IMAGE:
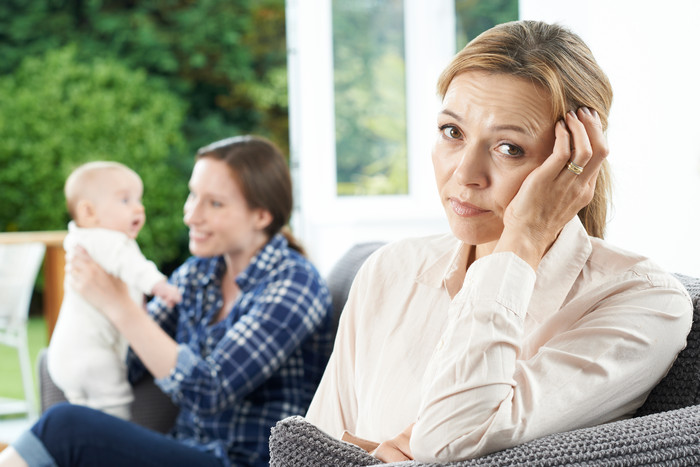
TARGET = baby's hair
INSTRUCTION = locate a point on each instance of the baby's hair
(78, 184)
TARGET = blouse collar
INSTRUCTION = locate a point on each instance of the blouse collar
(556, 273)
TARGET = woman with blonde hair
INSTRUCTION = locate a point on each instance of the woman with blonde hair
(522, 321)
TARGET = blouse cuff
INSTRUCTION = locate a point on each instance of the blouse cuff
(503, 277)
(186, 361)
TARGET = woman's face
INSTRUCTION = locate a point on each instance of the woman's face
(493, 130)
(218, 215)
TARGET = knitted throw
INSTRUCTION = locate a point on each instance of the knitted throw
(668, 438)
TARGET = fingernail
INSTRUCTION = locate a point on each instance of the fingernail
(572, 114)
(586, 110)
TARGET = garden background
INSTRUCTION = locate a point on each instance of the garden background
(146, 84)
(143, 83)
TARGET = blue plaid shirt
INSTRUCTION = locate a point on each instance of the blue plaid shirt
(236, 378)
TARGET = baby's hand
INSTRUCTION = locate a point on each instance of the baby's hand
(167, 292)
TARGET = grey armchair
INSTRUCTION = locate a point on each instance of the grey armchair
(665, 430)
(151, 407)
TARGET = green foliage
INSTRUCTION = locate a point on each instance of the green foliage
(57, 112)
(476, 16)
(370, 98)
(226, 59)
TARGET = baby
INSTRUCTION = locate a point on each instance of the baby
(86, 356)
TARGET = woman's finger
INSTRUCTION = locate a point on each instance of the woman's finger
(594, 128)
(590, 145)
(561, 152)
(582, 151)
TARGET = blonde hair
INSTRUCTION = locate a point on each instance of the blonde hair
(81, 183)
(560, 62)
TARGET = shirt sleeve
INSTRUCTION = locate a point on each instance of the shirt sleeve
(479, 396)
(133, 268)
(287, 311)
(333, 408)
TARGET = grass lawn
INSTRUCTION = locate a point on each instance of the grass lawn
(11, 377)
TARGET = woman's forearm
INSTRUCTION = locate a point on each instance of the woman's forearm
(156, 349)
(469, 381)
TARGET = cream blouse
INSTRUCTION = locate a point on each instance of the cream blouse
(500, 355)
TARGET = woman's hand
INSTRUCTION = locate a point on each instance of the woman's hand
(105, 292)
(552, 194)
(396, 449)
(156, 349)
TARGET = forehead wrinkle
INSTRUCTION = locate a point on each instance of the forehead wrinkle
(503, 102)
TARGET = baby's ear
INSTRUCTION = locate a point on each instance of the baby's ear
(85, 215)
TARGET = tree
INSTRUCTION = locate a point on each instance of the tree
(226, 59)
(370, 101)
(57, 112)
(476, 16)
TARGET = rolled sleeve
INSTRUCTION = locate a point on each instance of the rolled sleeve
(273, 321)
(185, 364)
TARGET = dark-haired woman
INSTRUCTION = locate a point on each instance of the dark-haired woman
(246, 346)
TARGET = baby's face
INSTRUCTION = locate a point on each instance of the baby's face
(118, 206)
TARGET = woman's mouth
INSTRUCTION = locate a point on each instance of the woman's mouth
(197, 236)
(465, 209)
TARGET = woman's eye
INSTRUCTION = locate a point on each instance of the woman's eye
(215, 204)
(450, 131)
(509, 150)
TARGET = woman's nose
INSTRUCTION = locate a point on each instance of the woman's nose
(191, 212)
(472, 168)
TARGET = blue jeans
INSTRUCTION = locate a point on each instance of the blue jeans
(72, 435)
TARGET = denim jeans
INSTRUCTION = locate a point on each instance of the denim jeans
(73, 435)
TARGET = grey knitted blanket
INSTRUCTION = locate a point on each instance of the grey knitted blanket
(668, 438)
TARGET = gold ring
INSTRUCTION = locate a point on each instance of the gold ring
(574, 168)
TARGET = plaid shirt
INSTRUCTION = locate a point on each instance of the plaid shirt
(236, 378)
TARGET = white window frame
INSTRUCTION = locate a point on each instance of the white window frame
(329, 224)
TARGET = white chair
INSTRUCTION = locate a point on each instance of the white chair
(19, 266)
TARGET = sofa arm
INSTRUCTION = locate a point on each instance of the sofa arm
(151, 407)
(294, 442)
(49, 393)
(669, 437)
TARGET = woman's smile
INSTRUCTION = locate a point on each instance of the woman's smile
(198, 236)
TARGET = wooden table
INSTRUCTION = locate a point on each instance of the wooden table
(54, 268)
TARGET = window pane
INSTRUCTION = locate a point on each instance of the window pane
(370, 97)
(476, 16)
